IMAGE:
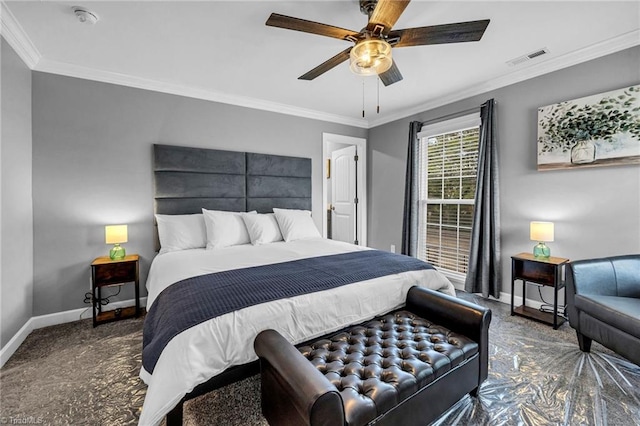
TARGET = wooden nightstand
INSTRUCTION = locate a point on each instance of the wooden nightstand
(549, 272)
(106, 273)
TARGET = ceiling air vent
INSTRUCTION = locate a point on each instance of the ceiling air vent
(528, 57)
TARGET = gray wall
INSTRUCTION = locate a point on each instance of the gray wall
(92, 167)
(16, 227)
(596, 211)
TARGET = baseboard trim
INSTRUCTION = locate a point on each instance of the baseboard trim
(504, 297)
(15, 342)
(42, 321)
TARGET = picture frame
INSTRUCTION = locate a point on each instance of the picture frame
(593, 131)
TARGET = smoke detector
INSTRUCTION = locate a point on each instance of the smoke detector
(84, 15)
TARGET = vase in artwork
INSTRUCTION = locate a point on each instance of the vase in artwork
(583, 152)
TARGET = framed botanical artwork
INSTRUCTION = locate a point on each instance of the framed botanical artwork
(597, 130)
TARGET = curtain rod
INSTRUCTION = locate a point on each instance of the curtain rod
(452, 115)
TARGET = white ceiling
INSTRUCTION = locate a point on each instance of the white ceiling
(222, 50)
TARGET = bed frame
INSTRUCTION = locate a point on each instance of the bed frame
(186, 180)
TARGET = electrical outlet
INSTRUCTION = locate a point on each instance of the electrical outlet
(393, 248)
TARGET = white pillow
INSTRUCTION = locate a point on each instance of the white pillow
(181, 232)
(225, 229)
(262, 228)
(296, 224)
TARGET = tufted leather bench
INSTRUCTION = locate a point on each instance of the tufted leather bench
(406, 367)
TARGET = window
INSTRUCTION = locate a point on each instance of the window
(448, 166)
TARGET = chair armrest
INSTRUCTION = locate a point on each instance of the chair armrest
(457, 315)
(306, 389)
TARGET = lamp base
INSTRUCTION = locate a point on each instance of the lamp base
(541, 250)
(117, 252)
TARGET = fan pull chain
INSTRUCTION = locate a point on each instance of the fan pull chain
(362, 98)
(378, 107)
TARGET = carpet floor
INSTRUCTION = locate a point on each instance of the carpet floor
(75, 374)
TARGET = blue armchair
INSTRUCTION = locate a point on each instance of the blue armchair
(603, 303)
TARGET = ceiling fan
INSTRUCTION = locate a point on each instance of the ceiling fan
(371, 53)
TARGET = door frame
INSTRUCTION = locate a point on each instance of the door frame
(361, 217)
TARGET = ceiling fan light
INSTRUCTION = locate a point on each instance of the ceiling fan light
(370, 57)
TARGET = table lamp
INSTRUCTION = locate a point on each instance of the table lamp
(541, 232)
(116, 234)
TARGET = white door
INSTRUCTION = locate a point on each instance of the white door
(344, 197)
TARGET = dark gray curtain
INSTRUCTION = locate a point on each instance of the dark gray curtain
(410, 216)
(483, 275)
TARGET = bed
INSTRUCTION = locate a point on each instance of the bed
(220, 350)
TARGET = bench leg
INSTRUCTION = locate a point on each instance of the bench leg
(174, 418)
(584, 342)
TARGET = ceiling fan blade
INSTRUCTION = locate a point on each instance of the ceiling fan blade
(386, 14)
(327, 65)
(297, 24)
(390, 76)
(439, 34)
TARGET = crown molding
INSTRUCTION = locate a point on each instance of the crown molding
(70, 70)
(616, 44)
(17, 38)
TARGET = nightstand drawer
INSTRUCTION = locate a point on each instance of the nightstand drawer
(537, 272)
(115, 273)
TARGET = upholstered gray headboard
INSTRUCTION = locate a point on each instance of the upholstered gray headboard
(189, 179)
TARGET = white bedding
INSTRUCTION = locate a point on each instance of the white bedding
(203, 351)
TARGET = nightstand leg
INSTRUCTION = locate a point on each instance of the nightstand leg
(93, 297)
(555, 300)
(137, 300)
(93, 304)
(513, 285)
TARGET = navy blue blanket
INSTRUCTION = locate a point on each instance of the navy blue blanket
(195, 300)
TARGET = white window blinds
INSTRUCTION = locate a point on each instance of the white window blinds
(448, 168)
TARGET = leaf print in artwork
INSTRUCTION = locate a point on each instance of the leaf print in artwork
(598, 130)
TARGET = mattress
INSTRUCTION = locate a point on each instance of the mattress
(208, 349)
